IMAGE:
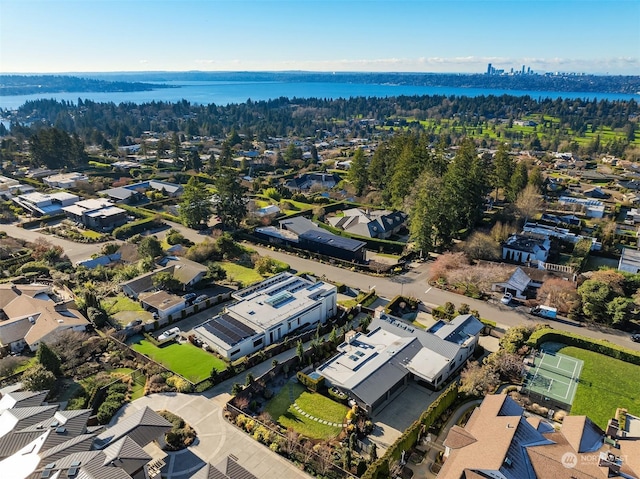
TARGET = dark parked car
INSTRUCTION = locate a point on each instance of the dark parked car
(189, 297)
(635, 338)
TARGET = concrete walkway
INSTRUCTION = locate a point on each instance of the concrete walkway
(423, 470)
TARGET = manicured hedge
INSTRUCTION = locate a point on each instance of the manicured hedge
(596, 345)
(380, 468)
(42, 219)
(309, 382)
(135, 227)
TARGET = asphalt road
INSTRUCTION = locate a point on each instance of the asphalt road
(412, 283)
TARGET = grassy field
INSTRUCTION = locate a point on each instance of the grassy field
(605, 384)
(242, 274)
(120, 303)
(281, 409)
(91, 234)
(186, 359)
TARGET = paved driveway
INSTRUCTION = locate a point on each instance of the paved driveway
(216, 439)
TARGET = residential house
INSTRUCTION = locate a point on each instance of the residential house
(65, 180)
(10, 188)
(370, 223)
(592, 208)
(188, 272)
(300, 232)
(40, 441)
(41, 204)
(517, 284)
(526, 248)
(308, 181)
(499, 441)
(162, 303)
(267, 312)
(596, 193)
(228, 468)
(142, 283)
(135, 192)
(629, 260)
(32, 316)
(371, 368)
(96, 214)
(633, 216)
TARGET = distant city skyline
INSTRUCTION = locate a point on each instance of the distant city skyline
(452, 36)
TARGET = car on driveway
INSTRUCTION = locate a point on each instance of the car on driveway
(200, 299)
(635, 338)
(189, 297)
(506, 298)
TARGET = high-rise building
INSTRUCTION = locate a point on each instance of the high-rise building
(489, 69)
(523, 69)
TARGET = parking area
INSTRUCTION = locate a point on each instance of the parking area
(400, 412)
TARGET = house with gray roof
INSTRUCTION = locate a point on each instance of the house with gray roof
(371, 368)
(40, 441)
(370, 223)
(526, 248)
(136, 192)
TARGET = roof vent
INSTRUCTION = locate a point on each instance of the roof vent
(507, 461)
(32, 320)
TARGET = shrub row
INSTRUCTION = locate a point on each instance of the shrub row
(380, 468)
(596, 345)
(116, 396)
(309, 382)
(43, 219)
(135, 227)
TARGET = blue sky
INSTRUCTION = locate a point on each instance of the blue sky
(599, 36)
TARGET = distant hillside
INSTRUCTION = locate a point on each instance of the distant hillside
(555, 83)
(30, 84)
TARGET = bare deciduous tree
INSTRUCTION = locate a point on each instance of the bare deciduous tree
(478, 380)
(558, 293)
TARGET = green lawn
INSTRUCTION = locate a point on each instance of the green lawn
(242, 274)
(281, 410)
(605, 384)
(91, 234)
(186, 359)
(120, 303)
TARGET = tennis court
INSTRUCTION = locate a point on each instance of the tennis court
(553, 377)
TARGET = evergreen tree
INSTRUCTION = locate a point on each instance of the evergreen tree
(49, 359)
(231, 205)
(195, 207)
(518, 181)
(358, 172)
(503, 167)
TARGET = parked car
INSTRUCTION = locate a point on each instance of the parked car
(189, 297)
(169, 334)
(200, 299)
(544, 312)
(635, 338)
(506, 299)
(134, 323)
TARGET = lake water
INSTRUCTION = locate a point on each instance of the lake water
(226, 92)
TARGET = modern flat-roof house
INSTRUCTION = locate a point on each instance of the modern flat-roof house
(372, 367)
(38, 440)
(31, 316)
(300, 232)
(267, 312)
(96, 214)
(10, 187)
(526, 248)
(499, 441)
(65, 180)
(41, 204)
(629, 260)
(135, 192)
(592, 208)
(369, 223)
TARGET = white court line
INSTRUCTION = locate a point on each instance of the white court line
(550, 384)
